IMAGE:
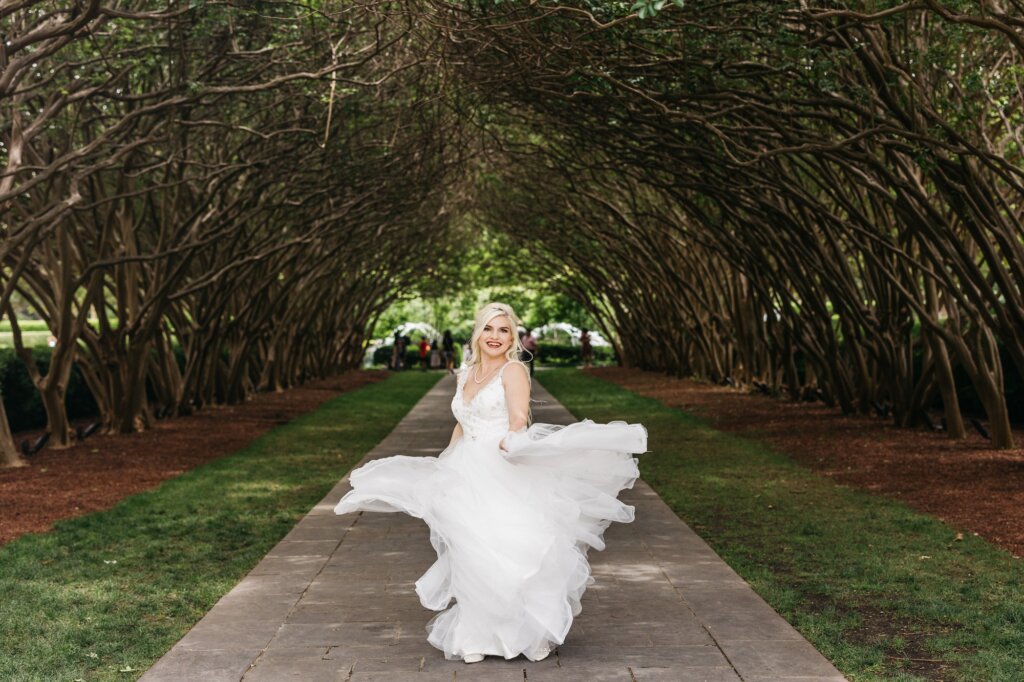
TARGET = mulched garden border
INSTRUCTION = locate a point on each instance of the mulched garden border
(965, 483)
(102, 470)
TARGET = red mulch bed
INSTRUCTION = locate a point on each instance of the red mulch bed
(98, 473)
(965, 483)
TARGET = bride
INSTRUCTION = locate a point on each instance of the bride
(512, 508)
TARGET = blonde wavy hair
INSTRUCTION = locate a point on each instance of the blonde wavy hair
(485, 315)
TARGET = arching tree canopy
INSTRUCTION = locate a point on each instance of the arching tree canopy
(207, 198)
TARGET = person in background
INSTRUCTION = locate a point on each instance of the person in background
(448, 351)
(398, 353)
(530, 347)
(424, 349)
(435, 354)
(586, 350)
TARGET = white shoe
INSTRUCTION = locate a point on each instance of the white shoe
(473, 658)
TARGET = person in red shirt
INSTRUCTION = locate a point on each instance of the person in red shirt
(424, 350)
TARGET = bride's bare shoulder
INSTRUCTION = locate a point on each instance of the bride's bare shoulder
(515, 370)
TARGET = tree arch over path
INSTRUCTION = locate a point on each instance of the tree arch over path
(202, 199)
(737, 187)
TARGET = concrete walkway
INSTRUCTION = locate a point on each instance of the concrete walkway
(334, 601)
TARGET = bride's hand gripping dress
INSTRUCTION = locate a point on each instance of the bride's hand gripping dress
(511, 526)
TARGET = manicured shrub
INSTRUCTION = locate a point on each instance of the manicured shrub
(548, 354)
(382, 356)
(21, 399)
(568, 354)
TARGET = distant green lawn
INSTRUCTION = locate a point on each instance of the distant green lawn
(103, 596)
(871, 583)
(33, 333)
(30, 339)
(25, 325)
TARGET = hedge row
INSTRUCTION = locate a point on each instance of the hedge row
(21, 399)
(549, 354)
(970, 403)
(25, 409)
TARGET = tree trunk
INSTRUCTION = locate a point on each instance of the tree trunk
(947, 387)
(9, 455)
(992, 390)
(57, 422)
(943, 367)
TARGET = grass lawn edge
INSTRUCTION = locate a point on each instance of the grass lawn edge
(103, 596)
(883, 591)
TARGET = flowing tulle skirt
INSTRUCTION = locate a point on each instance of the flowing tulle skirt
(511, 530)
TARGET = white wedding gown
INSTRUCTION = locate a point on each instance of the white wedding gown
(511, 529)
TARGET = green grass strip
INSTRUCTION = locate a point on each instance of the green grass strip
(847, 568)
(101, 597)
(33, 332)
(25, 326)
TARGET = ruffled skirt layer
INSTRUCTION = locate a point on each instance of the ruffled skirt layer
(511, 530)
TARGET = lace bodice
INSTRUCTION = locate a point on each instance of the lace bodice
(485, 416)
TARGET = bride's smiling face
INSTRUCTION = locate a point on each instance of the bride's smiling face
(496, 337)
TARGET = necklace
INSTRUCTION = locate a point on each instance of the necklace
(480, 381)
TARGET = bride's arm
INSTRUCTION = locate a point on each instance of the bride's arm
(456, 435)
(517, 397)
